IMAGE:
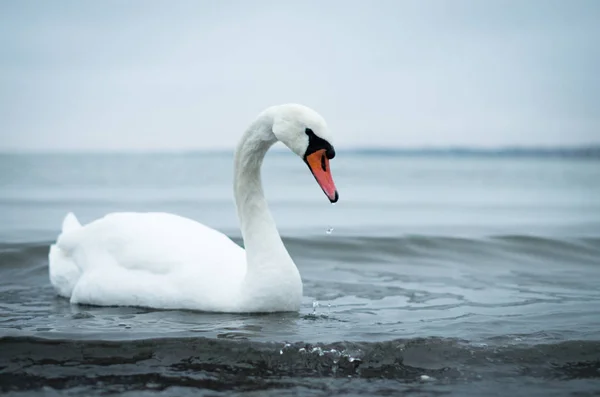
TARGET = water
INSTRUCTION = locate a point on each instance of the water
(446, 275)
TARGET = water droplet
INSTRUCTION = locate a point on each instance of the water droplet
(317, 350)
(328, 231)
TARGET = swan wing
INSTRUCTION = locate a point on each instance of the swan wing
(145, 259)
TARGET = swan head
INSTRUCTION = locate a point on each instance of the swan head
(305, 133)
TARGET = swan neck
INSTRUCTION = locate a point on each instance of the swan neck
(256, 222)
(271, 277)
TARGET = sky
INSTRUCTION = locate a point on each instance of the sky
(192, 74)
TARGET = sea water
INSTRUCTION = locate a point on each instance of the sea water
(453, 275)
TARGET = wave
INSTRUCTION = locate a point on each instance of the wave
(38, 357)
(583, 250)
(28, 363)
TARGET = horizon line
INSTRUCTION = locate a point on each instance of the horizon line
(353, 148)
(587, 149)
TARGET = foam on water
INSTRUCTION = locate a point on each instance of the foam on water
(36, 366)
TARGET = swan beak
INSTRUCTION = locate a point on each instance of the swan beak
(319, 166)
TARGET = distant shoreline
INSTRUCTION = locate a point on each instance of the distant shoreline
(591, 151)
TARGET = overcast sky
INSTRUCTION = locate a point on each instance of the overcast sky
(82, 74)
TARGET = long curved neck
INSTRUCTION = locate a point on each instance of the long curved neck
(252, 208)
(265, 253)
(272, 281)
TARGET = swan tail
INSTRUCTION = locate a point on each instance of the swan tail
(70, 233)
(63, 270)
(70, 223)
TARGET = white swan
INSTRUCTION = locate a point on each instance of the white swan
(166, 261)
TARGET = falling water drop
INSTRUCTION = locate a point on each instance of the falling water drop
(330, 228)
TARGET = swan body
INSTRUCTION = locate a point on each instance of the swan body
(148, 259)
(166, 261)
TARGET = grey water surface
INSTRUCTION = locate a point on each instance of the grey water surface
(443, 275)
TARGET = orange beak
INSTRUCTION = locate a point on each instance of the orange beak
(319, 166)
